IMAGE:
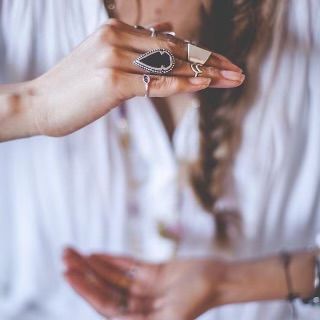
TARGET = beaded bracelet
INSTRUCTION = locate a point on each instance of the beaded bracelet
(314, 300)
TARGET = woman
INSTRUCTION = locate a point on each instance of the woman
(277, 160)
(101, 190)
(76, 190)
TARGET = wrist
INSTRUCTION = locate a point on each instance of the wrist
(265, 279)
(17, 111)
(302, 273)
(256, 280)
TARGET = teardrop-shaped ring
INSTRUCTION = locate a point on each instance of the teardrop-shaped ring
(157, 61)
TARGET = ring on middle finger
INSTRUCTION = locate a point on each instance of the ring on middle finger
(196, 69)
(157, 61)
(197, 54)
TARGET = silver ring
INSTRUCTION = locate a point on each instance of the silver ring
(157, 61)
(197, 54)
(170, 33)
(146, 81)
(153, 32)
(196, 69)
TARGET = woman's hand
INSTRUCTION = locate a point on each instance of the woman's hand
(123, 288)
(99, 75)
(127, 289)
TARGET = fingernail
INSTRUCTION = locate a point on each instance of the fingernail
(200, 81)
(232, 75)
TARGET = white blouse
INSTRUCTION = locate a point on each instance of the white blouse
(88, 191)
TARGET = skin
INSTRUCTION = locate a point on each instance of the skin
(182, 289)
(186, 23)
(90, 88)
(79, 89)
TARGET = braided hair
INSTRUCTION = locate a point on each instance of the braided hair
(240, 30)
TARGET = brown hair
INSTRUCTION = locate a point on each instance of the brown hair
(240, 30)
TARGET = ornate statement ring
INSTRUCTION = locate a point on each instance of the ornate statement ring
(196, 69)
(146, 81)
(197, 54)
(157, 61)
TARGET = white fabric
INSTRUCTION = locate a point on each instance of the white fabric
(75, 190)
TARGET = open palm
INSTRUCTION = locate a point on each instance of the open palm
(124, 288)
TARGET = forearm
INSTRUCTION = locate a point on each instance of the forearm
(265, 279)
(16, 111)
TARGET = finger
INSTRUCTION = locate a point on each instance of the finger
(121, 59)
(162, 27)
(105, 300)
(132, 316)
(122, 278)
(138, 316)
(131, 85)
(102, 300)
(125, 264)
(137, 29)
(159, 27)
(110, 273)
(74, 260)
(140, 41)
(136, 277)
(120, 261)
(101, 286)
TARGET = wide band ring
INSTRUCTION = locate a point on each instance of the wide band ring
(196, 69)
(157, 61)
(197, 54)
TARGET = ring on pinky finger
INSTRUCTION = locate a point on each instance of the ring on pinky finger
(146, 81)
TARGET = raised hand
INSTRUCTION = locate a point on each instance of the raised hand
(100, 74)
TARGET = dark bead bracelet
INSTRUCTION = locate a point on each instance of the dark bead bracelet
(314, 300)
(286, 260)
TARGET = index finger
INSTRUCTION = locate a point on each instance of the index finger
(125, 36)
